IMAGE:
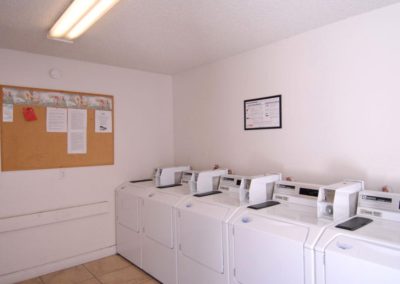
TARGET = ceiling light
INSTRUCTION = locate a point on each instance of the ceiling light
(79, 17)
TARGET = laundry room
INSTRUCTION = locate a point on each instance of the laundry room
(199, 142)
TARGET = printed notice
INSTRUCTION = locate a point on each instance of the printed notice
(8, 113)
(77, 127)
(76, 142)
(56, 119)
(103, 121)
(263, 113)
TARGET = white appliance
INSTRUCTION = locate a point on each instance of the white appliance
(202, 229)
(129, 201)
(369, 254)
(339, 201)
(169, 176)
(273, 243)
(159, 228)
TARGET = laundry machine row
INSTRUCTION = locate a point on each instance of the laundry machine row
(273, 242)
(258, 229)
(147, 215)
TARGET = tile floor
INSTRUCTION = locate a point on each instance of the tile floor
(109, 270)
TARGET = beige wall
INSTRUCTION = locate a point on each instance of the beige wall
(143, 140)
(340, 88)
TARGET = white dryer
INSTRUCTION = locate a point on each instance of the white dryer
(272, 242)
(202, 229)
(159, 228)
(129, 200)
(366, 248)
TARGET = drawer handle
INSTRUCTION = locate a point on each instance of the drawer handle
(189, 205)
(151, 194)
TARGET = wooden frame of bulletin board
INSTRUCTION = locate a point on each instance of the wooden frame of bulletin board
(27, 145)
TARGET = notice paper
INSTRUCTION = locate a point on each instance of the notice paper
(8, 113)
(77, 131)
(103, 121)
(56, 119)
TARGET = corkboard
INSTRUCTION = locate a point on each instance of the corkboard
(26, 145)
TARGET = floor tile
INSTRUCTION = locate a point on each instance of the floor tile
(76, 274)
(106, 265)
(32, 281)
(148, 281)
(91, 281)
(126, 275)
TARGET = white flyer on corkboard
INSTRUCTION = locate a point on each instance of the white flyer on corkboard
(8, 113)
(77, 128)
(103, 121)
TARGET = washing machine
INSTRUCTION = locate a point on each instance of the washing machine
(366, 248)
(159, 227)
(273, 242)
(202, 227)
(129, 201)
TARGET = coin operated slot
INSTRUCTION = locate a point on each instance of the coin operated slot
(325, 205)
(339, 201)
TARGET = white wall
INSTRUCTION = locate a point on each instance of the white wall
(341, 98)
(143, 140)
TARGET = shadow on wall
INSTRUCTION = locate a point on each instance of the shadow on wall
(374, 179)
(255, 165)
(336, 171)
(333, 171)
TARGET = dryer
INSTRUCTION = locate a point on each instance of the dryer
(366, 248)
(202, 230)
(159, 228)
(272, 242)
(129, 200)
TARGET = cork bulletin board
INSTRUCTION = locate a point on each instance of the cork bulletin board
(28, 144)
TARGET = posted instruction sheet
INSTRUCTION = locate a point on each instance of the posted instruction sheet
(77, 131)
(56, 119)
(263, 113)
(103, 121)
(8, 113)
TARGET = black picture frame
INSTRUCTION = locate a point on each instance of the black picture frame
(279, 125)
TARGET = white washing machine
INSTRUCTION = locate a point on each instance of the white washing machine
(159, 228)
(129, 200)
(273, 242)
(366, 248)
(202, 230)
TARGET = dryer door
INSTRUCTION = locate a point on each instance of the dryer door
(158, 218)
(201, 233)
(128, 206)
(349, 260)
(268, 251)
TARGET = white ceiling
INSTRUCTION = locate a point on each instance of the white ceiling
(170, 36)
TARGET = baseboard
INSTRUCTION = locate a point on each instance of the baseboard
(56, 265)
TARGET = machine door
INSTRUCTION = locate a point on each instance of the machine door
(158, 218)
(201, 233)
(128, 210)
(268, 251)
(355, 261)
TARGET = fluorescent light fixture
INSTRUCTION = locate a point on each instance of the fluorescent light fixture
(79, 17)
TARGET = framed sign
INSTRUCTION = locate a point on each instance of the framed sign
(263, 113)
